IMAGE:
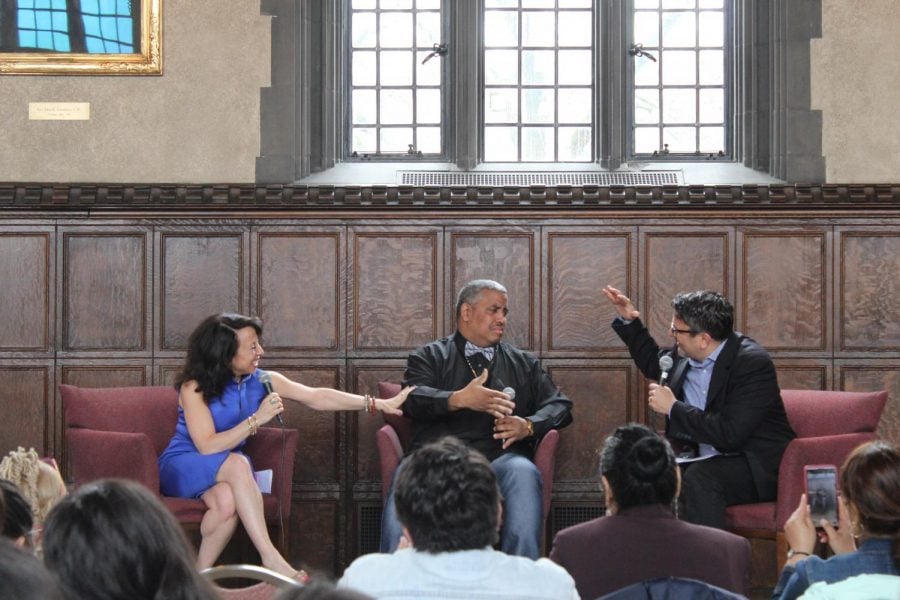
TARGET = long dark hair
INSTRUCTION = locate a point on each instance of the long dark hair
(211, 347)
(639, 466)
(870, 480)
(113, 539)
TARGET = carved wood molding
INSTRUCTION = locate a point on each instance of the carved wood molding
(223, 197)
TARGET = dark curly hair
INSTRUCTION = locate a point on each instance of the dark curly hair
(211, 347)
(639, 466)
(705, 311)
(447, 497)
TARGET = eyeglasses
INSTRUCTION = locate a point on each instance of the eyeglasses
(674, 331)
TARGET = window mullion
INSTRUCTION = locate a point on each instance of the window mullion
(465, 80)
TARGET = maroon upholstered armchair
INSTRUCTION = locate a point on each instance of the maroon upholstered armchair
(829, 425)
(393, 438)
(120, 432)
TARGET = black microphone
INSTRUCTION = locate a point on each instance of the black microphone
(266, 380)
(665, 363)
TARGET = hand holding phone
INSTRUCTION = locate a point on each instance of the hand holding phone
(822, 493)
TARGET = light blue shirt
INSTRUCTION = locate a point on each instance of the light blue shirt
(696, 388)
(485, 574)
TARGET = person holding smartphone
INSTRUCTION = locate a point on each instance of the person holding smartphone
(867, 539)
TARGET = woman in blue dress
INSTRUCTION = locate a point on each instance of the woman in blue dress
(222, 402)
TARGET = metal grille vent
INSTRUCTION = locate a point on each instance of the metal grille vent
(369, 533)
(568, 515)
(525, 178)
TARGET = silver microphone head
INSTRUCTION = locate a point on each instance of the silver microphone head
(512, 393)
(665, 362)
(266, 380)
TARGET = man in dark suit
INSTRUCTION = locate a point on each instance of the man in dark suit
(723, 406)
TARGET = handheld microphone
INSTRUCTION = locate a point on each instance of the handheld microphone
(511, 392)
(665, 363)
(266, 380)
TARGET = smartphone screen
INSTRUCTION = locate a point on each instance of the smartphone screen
(821, 493)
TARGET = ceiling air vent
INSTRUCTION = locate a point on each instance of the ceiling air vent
(525, 178)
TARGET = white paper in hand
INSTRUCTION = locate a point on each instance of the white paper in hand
(264, 480)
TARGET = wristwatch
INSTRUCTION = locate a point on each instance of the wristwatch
(530, 427)
(791, 553)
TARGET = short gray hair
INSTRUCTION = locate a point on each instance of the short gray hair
(472, 290)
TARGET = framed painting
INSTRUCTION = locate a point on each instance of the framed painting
(80, 37)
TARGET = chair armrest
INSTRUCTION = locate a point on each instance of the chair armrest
(390, 453)
(100, 454)
(264, 449)
(545, 460)
(824, 450)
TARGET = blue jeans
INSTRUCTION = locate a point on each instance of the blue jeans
(520, 487)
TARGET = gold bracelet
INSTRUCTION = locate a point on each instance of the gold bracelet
(530, 425)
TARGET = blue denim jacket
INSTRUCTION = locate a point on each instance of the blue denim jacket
(872, 556)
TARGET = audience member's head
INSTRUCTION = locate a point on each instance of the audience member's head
(23, 576)
(705, 311)
(113, 539)
(447, 498)
(637, 467)
(18, 522)
(322, 590)
(39, 481)
(870, 486)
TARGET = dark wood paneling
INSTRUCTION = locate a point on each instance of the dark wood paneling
(314, 542)
(105, 375)
(105, 295)
(25, 270)
(298, 290)
(795, 374)
(28, 407)
(396, 287)
(318, 459)
(681, 260)
(872, 376)
(350, 280)
(365, 376)
(870, 302)
(784, 290)
(201, 273)
(603, 400)
(507, 257)
(579, 265)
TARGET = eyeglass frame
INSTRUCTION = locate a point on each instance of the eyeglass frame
(674, 331)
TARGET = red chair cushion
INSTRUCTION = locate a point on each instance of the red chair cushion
(152, 410)
(751, 516)
(816, 413)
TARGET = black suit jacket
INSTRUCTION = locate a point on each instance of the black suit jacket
(439, 368)
(744, 411)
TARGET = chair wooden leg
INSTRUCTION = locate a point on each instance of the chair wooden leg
(781, 547)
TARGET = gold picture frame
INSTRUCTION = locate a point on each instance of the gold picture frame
(146, 62)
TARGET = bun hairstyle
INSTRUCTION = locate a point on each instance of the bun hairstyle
(639, 466)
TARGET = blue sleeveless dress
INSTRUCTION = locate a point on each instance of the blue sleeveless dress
(183, 471)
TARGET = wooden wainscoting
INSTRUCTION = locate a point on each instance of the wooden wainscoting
(102, 284)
